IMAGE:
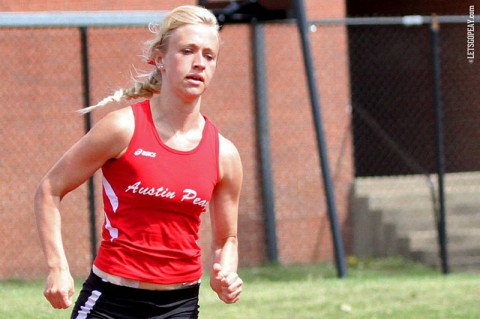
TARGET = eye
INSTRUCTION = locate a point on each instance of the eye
(209, 55)
(187, 51)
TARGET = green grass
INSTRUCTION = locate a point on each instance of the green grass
(388, 288)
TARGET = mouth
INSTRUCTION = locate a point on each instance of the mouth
(196, 77)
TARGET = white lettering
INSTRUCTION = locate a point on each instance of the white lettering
(163, 192)
(144, 153)
(143, 190)
(471, 34)
(200, 202)
(150, 191)
(191, 195)
(133, 187)
(149, 154)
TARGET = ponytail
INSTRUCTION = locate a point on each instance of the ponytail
(141, 89)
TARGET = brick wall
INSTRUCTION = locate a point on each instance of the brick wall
(42, 88)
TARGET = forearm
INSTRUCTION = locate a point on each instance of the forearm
(225, 253)
(48, 218)
(224, 278)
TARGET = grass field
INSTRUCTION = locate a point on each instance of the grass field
(388, 288)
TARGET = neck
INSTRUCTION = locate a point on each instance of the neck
(175, 114)
(179, 125)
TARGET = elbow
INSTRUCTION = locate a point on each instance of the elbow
(40, 191)
(45, 193)
(40, 196)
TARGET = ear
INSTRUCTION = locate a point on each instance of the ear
(156, 58)
(159, 62)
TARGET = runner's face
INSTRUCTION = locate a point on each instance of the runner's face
(190, 60)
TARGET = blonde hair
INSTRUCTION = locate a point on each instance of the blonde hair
(148, 84)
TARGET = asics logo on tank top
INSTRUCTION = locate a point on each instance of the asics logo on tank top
(141, 152)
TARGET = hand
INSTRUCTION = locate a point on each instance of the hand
(59, 289)
(228, 286)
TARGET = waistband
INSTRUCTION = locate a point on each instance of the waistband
(120, 281)
(110, 290)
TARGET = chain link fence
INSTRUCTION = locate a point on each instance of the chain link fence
(376, 88)
(414, 129)
(393, 100)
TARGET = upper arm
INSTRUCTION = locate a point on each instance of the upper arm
(226, 195)
(106, 140)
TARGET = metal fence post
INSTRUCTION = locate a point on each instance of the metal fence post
(322, 150)
(263, 138)
(440, 147)
(88, 126)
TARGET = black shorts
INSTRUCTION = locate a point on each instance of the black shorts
(103, 300)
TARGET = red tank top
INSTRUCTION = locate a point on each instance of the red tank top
(153, 197)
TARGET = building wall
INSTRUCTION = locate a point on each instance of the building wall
(407, 7)
(45, 64)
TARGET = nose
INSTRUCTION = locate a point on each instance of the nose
(199, 61)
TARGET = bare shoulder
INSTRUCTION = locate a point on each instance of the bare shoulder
(230, 161)
(115, 130)
(119, 120)
(227, 149)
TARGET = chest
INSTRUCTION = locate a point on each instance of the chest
(152, 176)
